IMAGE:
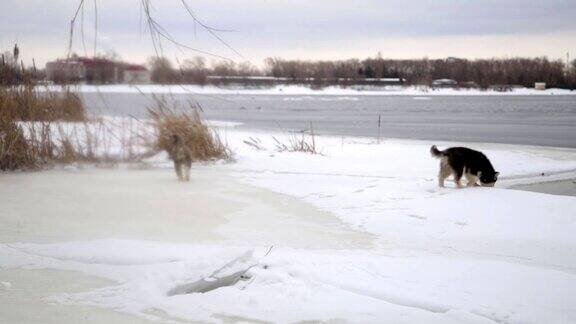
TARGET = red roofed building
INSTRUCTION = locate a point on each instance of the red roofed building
(95, 70)
(136, 74)
(100, 70)
(65, 71)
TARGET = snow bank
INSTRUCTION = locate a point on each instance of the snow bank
(390, 190)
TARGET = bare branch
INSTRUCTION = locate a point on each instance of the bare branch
(95, 27)
(158, 32)
(209, 29)
(72, 23)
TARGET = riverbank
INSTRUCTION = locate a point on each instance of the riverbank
(302, 90)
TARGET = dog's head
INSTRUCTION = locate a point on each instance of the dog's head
(488, 179)
(176, 140)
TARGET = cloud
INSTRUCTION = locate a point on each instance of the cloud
(273, 26)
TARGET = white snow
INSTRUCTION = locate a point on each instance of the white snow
(223, 124)
(301, 90)
(361, 233)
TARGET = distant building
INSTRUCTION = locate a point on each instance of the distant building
(101, 70)
(468, 85)
(268, 80)
(136, 74)
(444, 83)
(540, 85)
(501, 87)
(383, 81)
(452, 59)
(95, 70)
(65, 70)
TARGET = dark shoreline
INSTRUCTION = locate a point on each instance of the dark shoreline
(559, 187)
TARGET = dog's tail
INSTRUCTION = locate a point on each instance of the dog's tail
(436, 152)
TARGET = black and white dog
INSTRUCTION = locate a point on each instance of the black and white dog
(459, 161)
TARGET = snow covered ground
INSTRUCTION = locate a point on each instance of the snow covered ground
(360, 233)
(307, 91)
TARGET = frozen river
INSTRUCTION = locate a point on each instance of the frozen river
(532, 120)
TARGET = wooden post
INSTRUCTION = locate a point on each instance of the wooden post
(312, 134)
(379, 126)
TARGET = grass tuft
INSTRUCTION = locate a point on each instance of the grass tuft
(203, 141)
(15, 152)
(305, 143)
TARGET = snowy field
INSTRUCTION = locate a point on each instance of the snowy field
(360, 233)
(306, 91)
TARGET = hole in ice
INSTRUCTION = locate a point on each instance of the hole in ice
(208, 284)
(229, 275)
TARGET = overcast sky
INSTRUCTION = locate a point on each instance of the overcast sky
(311, 29)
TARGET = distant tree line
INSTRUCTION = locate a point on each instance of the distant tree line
(483, 73)
(196, 71)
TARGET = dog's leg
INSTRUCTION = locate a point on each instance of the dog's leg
(457, 177)
(472, 180)
(182, 171)
(443, 174)
(186, 172)
(178, 169)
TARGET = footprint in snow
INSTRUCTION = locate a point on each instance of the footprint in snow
(418, 217)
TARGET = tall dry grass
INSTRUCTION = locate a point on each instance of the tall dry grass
(203, 141)
(26, 139)
(39, 129)
(34, 129)
(15, 152)
(26, 103)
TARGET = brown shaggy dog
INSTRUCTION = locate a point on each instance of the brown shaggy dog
(182, 157)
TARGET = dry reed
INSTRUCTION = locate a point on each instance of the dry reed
(203, 141)
(43, 128)
(26, 103)
(304, 142)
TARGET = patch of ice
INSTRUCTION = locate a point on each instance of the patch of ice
(223, 124)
